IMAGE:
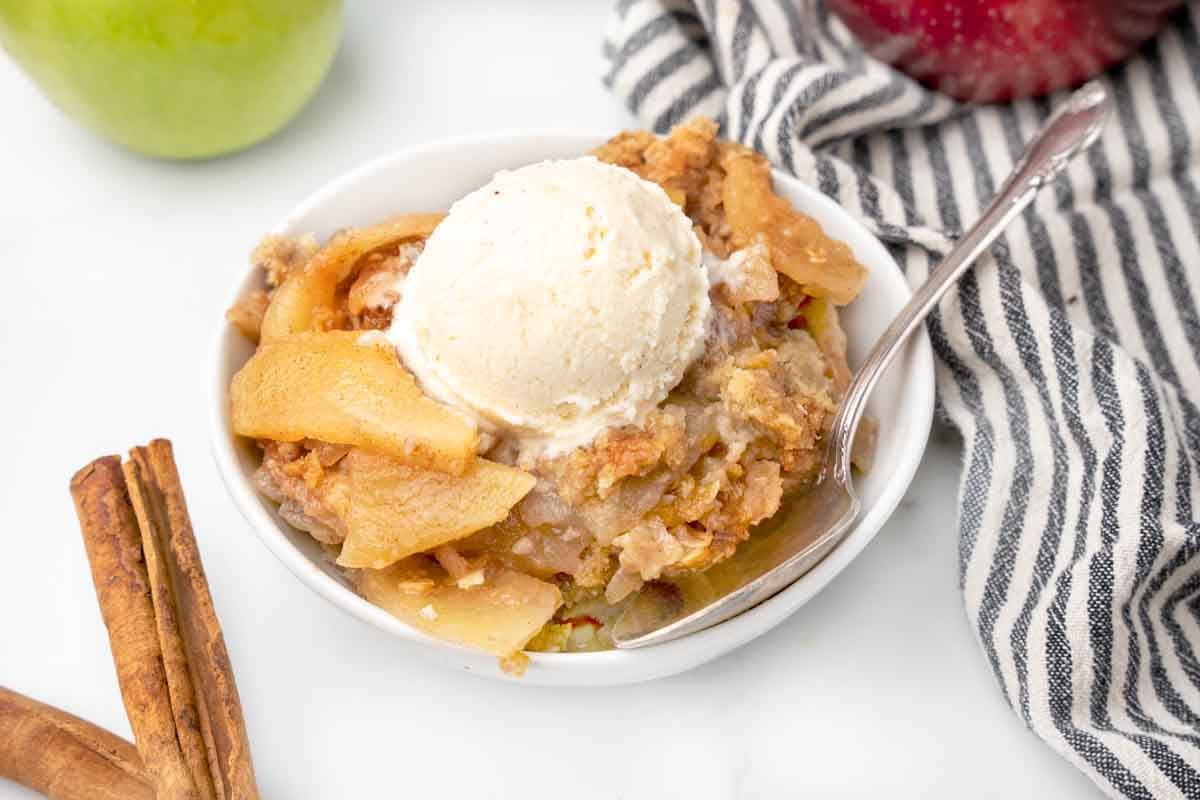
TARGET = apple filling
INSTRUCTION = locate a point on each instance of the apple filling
(471, 539)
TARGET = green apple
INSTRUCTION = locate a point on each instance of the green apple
(175, 78)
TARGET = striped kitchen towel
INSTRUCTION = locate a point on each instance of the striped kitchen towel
(1069, 360)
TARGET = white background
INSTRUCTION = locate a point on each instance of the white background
(113, 271)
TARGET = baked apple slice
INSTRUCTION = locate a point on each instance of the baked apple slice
(799, 247)
(396, 510)
(339, 387)
(499, 616)
(294, 304)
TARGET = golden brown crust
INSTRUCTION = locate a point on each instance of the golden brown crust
(247, 313)
(685, 164)
(281, 256)
(618, 453)
(313, 491)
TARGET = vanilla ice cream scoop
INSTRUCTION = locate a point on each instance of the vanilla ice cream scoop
(560, 299)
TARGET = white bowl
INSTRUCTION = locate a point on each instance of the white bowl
(430, 178)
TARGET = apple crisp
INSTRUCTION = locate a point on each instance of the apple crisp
(472, 537)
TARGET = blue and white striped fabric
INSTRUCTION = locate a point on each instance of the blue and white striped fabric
(1069, 360)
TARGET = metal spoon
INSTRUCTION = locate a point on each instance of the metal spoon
(774, 558)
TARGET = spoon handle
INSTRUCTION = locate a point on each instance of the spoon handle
(1072, 128)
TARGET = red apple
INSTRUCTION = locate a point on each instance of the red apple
(987, 50)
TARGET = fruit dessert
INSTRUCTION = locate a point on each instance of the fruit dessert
(590, 375)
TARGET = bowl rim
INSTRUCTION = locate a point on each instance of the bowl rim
(919, 392)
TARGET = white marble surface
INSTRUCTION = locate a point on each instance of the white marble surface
(113, 272)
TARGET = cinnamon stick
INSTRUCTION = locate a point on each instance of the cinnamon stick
(114, 548)
(178, 683)
(170, 543)
(64, 757)
(194, 746)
